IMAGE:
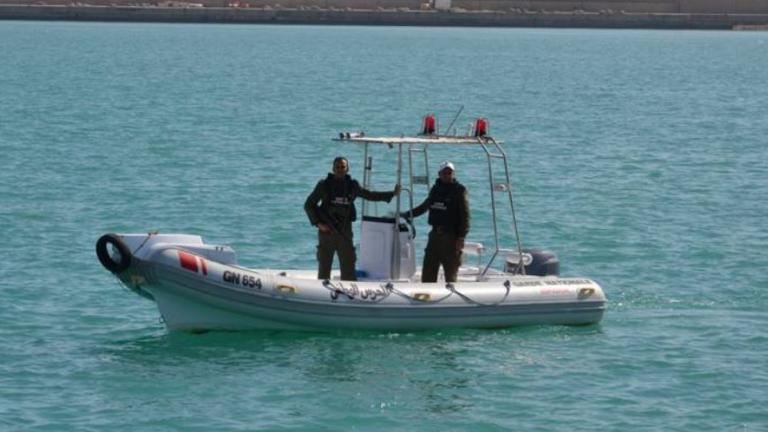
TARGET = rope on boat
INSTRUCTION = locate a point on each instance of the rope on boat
(450, 287)
(390, 287)
(419, 297)
(149, 235)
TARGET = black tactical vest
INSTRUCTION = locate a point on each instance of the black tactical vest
(444, 204)
(339, 201)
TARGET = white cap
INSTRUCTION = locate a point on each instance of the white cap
(445, 164)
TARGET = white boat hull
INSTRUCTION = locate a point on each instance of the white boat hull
(194, 291)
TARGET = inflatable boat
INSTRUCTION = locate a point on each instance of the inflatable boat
(199, 286)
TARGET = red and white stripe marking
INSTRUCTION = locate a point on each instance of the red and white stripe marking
(193, 262)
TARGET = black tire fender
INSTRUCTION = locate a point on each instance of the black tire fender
(106, 259)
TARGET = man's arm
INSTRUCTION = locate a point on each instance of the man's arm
(372, 195)
(310, 205)
(419, 209)
(416, 211)
(462, 229)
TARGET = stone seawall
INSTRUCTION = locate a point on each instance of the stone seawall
(606, 6)
(397, 17)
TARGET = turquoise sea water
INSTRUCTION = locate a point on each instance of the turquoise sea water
(639, 157)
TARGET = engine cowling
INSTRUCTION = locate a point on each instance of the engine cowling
(537, 262)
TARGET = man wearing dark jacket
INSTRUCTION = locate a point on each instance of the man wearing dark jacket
(449, 216)
(334, 216)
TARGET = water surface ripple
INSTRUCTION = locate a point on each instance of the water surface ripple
(639, 157)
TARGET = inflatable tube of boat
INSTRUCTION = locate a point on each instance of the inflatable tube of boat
(110, 262)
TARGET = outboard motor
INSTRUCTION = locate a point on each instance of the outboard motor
(537, 262)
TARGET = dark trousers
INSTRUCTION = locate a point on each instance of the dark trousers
(327, 245)
(441, 250)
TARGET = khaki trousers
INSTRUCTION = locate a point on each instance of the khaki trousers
(441, 250)
(329, 244)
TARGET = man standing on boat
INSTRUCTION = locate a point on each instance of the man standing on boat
(334, 216)
(448, 208)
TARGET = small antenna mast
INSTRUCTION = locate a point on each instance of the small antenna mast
(448, 129)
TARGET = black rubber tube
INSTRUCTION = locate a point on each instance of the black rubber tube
(106, 259)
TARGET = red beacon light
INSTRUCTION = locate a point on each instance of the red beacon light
(481, 127)
(430, 123)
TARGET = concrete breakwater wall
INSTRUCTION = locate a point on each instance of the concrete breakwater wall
(401, 16)
(542, 6)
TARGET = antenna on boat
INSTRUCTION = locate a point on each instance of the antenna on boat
(448, 129)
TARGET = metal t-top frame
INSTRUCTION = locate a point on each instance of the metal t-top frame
(415, 145)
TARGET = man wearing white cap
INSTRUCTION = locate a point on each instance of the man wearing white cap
(448, 208)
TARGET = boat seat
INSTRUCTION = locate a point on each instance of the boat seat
(473, 248)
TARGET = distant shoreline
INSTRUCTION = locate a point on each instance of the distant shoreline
(389, 17)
